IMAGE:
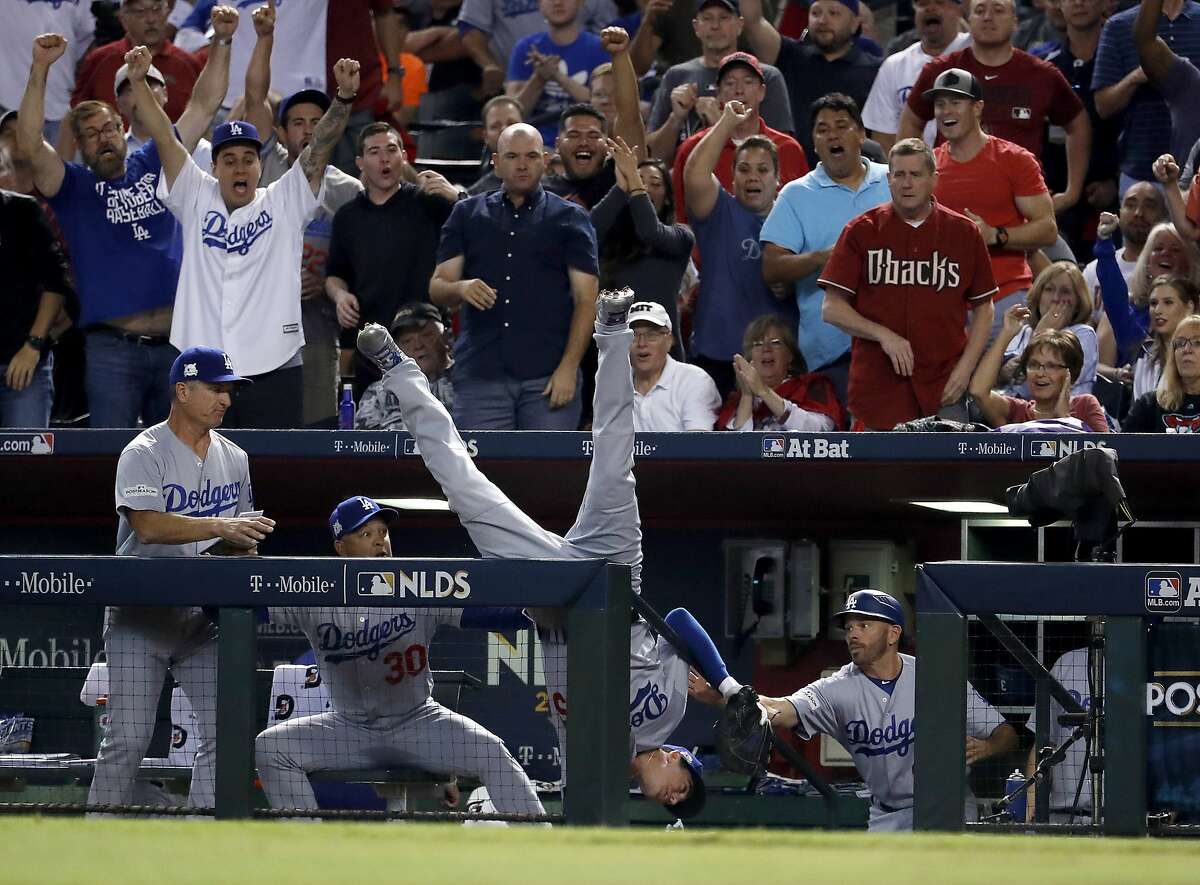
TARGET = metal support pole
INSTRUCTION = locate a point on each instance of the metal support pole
(1124, 726)
(235, 712)
(940, 769)
(597, 786)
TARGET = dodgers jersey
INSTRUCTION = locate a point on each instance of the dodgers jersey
(878, 730)
(239, 285)
(159, 472)
(657, 689)
(374, 661)
(1072, 671)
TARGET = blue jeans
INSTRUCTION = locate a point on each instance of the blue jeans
(126, 380)
(508, 403)
(29, 407)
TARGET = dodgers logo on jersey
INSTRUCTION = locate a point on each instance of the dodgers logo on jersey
(1164, 592)
(217, 234)
(648, 704)
(895, 737)
(212, 500)
(366, 642)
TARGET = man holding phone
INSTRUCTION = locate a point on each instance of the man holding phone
(179, 486)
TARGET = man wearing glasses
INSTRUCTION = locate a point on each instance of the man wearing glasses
(667, 395)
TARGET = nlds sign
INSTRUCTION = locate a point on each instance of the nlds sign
(421, 585)
(1061, 448)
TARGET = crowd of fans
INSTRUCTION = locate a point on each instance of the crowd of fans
(246, 177)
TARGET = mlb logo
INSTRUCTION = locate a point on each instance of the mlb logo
(376, 583)
(1164, 592)
(773, 447)
(1044, 448)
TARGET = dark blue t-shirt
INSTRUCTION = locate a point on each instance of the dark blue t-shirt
(125, 244)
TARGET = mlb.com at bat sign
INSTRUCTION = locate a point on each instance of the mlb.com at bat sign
(1168, 592)
(1055, 449)
(819, 448)
(419, 585)
(26, 443)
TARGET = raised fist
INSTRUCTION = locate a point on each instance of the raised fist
(614, 40)
(346, 73)
(225, 22)
(138, 60)
(264, 19)
(48, 48)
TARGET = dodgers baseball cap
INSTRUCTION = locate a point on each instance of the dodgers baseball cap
(417, 313)
(745, 59)
(874, 604)
(234, 132)
(122, 77)
(649, 312)
(731, 5)
(304, 96)
(204, 364)
(690, 806)
(354, 512)
(955, 81)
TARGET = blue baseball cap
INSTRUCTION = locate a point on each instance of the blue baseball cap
(354, 512)
(690, 806)
(874, 604)
(235, 132)
(204, 364)
(304, 96)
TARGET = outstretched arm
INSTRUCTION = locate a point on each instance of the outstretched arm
(316, 156)
(158, 124)
(761, 34)
(993, 405)
(48, 168)
(1153, 52)
(700, 185)
(258, 71)
(213, 82)
(628, 125)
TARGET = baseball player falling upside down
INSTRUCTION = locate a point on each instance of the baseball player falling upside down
(375, 662)
(607, 527)
(869, 707)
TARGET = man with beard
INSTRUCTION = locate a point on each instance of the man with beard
(741, 79)
(381, 254)
(1022, 94)
(239, 284)
(828, 61)
(937, 24)
(124, 245)
(686, 102)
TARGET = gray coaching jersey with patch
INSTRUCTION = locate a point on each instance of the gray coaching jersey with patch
(375, 661)
(657, 689)
(158, 472)
(878, 730)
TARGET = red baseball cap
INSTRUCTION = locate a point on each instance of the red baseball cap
(740, 58)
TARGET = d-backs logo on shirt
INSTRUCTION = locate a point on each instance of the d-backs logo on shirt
(366, 642)
(937, 272)
(217, 233)
(1182, 423)
(648, 704)
(895, 737)
(208, 501)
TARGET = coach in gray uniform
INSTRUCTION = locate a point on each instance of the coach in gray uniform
(376, 664)
(180, 487)
(869, 707)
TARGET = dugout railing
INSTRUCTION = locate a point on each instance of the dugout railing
(595, 596)
(1123, 598)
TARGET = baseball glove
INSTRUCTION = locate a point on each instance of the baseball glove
(744, 734)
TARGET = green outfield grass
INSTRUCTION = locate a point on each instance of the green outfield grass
(172, 852)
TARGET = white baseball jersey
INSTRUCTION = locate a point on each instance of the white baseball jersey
(25, 20)
(658, 680)
(239, 285)
(374, 661)
(892, 84)
(299, 60)
(878, 730)
(1072, 671)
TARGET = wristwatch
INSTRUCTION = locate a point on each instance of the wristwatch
(38, 343)
(1001, 236)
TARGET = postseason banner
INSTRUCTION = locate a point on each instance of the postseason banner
(1173, 720)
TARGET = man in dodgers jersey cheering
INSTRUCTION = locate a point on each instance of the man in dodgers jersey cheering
(181, 488)
(607, 527)
(900, 281)
(376, 664)
(869, 707)
(239, 285)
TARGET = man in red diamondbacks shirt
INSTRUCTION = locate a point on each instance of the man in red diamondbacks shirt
(900, 281)
(1023, 93)
(994, 182)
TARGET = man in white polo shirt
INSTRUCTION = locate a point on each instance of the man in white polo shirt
(667, 395)
(239, 285)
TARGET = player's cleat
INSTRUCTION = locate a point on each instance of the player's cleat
(612, 307)
(376, 344)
